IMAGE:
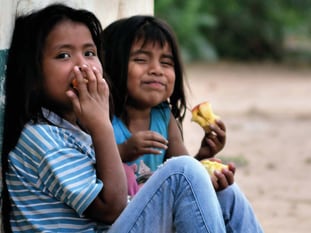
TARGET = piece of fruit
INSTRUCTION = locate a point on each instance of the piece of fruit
(212, 166)
(75, 82)
(204, 116)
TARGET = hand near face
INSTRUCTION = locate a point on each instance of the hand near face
(71, 54)
(91, 99)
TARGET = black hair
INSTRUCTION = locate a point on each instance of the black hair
(118, 38)
(23, 83)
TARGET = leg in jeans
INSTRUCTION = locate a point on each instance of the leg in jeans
(178, 195)
(238, 214)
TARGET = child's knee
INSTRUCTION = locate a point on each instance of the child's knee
(184, 164)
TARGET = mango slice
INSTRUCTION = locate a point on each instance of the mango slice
(74, 82)
(203, 115)
(212, 166)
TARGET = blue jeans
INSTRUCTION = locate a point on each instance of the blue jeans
(179, 197)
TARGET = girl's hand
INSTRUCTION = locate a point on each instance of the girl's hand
(223, 179)
(212, 142)
(140, 143)
(91, 102)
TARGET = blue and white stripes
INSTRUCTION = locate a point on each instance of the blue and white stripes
(52, 180)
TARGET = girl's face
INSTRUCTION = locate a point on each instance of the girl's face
(151, 74)
(68, 44)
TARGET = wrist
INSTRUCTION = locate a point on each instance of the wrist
(103, 128)
(200, 157)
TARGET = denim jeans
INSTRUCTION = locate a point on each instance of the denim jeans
(179, 197)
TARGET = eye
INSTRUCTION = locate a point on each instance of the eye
(90, 54)
(167, 62)
(140, 59)
(63, 56)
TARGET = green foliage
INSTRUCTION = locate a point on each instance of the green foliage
(246, 29)
(237, 29)
(184, 18)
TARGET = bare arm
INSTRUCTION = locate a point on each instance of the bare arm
(113, 197)
(92, 110)
(176, 144)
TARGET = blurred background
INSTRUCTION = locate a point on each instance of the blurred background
(252, 60)
(278, 30)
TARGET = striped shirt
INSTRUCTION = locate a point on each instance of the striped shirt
(52, 178)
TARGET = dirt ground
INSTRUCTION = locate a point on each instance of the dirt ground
(267, 112)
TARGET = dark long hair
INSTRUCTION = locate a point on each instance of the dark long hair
(118, 39)
(23, 83)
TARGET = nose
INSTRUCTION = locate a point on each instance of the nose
(80, 60)
(155, 68)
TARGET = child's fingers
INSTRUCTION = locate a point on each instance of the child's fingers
(155, 137)
(232, 167)
(80, 79)
(75, 100)
(221, 124)
(218, 131)
(215, 182)
(91, 77)
(151, 151)
(221, 179)
(155, 144)
(229, 176)
(95, 86)
(102, 86)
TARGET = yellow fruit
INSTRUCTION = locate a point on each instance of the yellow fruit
(75, 82)
(204, 116)
(212, 166)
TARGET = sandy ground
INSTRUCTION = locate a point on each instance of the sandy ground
(267, 112)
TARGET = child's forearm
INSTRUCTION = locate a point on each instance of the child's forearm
(122, 152)
(109, 168)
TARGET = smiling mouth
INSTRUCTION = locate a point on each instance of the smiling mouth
(157, 86)
(154, 83)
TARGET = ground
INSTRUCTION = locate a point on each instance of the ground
(267, 112)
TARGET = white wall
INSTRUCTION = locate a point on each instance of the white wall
(105, 10)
